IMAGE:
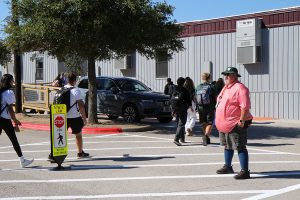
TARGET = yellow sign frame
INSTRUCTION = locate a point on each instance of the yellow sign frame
(59, 144)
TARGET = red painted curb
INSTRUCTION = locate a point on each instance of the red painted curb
(87, 130)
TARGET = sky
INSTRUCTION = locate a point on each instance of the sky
(194, 10)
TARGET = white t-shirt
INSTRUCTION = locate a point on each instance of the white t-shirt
(75, 95)
(8, 98)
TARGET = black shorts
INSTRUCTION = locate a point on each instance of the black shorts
(206, 114)
(76, 124)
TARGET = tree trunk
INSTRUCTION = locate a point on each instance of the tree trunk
(18, 82)
(17, 61)
(92, 107)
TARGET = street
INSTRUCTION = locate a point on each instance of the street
(147, 165)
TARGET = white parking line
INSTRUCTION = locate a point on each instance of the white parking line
(274, 192)
(269, 175)
(105, 196)
(160, 138)
(250, 148)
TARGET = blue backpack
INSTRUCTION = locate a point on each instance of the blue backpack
(203, 94)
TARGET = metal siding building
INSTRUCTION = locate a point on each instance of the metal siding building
(49, 71)
(273, 83)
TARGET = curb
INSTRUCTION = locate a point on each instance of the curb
(90, 130)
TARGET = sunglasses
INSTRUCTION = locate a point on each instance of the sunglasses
(228, 74)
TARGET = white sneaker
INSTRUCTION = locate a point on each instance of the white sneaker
(26, 162)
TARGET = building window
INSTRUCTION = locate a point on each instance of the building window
(162, 66)
(39, 67)
(128, 62)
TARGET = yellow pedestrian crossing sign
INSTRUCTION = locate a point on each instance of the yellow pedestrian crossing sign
(59, 130)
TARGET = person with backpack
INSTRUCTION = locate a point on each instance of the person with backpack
(180, 102)
(205, 97)
(232, 120)
(7, 98)
(169, 87)
(76, 117)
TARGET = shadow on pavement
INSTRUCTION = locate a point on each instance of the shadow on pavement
(86, 167)
(126, 158)
(279, 174)
(267, 132)
(267, 145)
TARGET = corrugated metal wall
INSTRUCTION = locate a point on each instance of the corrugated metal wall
(50, 69)
(274, 84)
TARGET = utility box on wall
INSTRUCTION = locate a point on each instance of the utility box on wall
(248, 41)
(207, 66)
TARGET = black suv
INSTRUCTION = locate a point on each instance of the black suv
(129, 98)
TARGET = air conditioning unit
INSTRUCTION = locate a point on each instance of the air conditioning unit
(248, 41)
(126, 62)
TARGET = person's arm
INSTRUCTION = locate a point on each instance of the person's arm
(244, 113)
(82, 111)
(245, 105)
(13, 115)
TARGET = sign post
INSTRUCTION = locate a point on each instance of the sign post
(58, 124)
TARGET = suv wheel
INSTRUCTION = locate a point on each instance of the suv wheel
(130, 114)
(112, 117)
(164, 119)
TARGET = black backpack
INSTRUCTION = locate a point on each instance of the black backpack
(203, 94)
(171, 89)
(63, 96)
(174, 101)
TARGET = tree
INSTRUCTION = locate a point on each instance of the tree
(95, 29)
(5, 55)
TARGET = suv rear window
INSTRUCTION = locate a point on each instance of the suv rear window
(131, 85)
(99, 84)
(83, 84)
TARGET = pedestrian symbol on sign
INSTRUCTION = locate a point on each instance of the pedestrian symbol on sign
(60, 138)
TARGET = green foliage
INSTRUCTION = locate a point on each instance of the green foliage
(5, 55)
(98, 29)
(93, 29)
(74, 63)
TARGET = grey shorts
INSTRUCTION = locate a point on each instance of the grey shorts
(235, 140)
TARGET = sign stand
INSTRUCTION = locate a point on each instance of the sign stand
(58, 128)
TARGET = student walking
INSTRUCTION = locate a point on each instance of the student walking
(7, 114)
(232, 120)
(191, 112)
(205, 95)
(180, 101)
(76, 117)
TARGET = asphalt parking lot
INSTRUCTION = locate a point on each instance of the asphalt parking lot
(147, 165)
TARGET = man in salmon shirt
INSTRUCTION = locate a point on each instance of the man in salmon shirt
(232, 120)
